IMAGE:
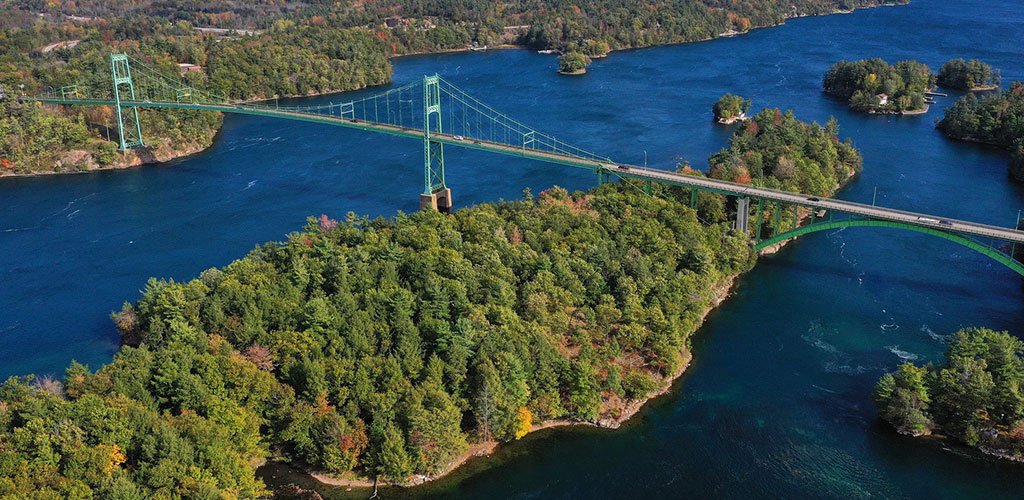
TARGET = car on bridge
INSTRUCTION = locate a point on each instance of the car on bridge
(929, 220)
(945, 222)
(623, 167)
(813, 198)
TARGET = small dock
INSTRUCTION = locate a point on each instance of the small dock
(936, 94)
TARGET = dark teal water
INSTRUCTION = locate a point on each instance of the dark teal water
(778, 400)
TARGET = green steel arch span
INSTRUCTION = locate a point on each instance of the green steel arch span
(981, 248)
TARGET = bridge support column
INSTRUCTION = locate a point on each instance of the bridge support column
(778, 219)
(757, 222)
(743, 215)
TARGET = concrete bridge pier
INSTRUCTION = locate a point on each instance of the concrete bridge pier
(743, 214)
(440, 200)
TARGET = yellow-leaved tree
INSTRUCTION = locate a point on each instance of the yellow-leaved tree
(524, 422)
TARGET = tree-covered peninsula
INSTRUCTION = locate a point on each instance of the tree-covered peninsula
(875, 86)
(975, 397)
(379, 347)
(970, 75)
(996, 119)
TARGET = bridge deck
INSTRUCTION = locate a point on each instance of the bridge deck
(627, 171)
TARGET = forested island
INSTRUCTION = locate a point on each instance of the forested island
(278, 49)
(875, 86)
(730, 108)
(573, 63)
(996, 119)
(776, 150)
(973, 75)
(975, 397)
(386, 348)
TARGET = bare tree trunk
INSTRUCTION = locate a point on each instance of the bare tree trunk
(374, 495)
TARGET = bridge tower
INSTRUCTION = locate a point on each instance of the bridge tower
(436, 195)
(130, 136)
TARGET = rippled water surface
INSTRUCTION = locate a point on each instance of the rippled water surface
(778, 401)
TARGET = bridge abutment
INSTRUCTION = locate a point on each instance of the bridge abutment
(440, 200)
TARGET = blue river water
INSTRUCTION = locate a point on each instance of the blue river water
(778, 400)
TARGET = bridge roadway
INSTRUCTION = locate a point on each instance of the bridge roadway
(627, 171)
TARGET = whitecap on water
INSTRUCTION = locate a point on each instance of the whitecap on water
(813, 337)
(821, 344)
(904, 355)
(841, 369)
(931, 333)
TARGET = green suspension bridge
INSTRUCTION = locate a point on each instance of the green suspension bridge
(439, 114)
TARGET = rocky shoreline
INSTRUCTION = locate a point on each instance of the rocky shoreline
(81, 162)
(606, 420)
(729, 121)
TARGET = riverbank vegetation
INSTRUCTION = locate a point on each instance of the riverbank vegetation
(44, 139)
(975, 397)
(996, 119)
(970, 75)
(875, 86)
(730, 108)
